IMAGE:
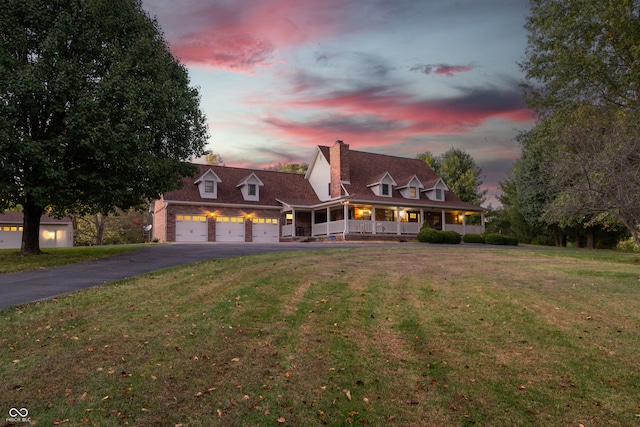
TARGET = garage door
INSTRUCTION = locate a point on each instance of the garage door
(191, 228)
(10, 236)
(229, 229)
(265, 230)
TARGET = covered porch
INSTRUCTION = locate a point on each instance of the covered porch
(346, 218)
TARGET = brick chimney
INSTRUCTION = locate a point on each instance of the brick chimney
(339, 158)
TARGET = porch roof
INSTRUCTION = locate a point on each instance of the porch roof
(391, 202)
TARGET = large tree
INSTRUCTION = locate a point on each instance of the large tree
(583, 71)
(460, 172)
(95, 112)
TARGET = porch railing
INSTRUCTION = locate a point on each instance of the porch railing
(287, 230)
(464, 229)
(381, 227)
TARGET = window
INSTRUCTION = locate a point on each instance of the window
(329, 189)
(251, 189)
(385, 189)
(438, 194)
(209, 186)
(413, 192)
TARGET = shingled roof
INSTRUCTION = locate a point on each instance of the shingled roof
(276, 186)
(368, 168)
(17, 218)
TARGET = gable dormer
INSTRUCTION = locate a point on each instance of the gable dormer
(383, 185)
(250, 187)
(208, 184)
(436, 192)
(411, 190)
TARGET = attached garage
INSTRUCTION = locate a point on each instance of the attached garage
(266, 230)
(191, 228)
(230, 229)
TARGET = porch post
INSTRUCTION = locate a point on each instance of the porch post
(293, 222)
(373, 219)
(345, 214)
(444, 219)
(464, 223)
(398, 222)
(313, 220)
(422, 218)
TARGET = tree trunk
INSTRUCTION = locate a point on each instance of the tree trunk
(31, 229)
(99, 221)
(591, 238)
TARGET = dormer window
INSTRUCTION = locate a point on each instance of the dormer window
(383, 186)
(250, 188)
(208, 185)
(411, 190)
(437, 191)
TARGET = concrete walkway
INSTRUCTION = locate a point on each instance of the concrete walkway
(29, 286)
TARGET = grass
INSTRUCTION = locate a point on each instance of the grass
(372, 336)
(11, 261)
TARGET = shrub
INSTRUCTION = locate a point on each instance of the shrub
(499, 239)
(451, 237)
(428, 235)
(473, 238)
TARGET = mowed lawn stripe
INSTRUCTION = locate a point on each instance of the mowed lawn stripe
(389, 335)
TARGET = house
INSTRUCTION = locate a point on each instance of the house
(345, 194)
(54, 233)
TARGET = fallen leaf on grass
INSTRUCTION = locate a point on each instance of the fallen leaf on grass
(281, 420)
(235, 359)
(348, 393)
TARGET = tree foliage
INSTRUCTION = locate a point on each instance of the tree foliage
(582, 51)
(113, 229)
(460, 172)
(95, 112)
(581, 164)
(300, 168)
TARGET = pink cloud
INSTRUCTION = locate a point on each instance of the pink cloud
(385, 116)
(244, 34)
(441, 69)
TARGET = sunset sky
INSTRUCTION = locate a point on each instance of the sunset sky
(397, 77)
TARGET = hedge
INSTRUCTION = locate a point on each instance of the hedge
(428, 235)
(499, 239)
(473, 238)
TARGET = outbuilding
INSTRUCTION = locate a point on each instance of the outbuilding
(54, 233)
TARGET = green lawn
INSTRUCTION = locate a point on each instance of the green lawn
(11, 261)
(365, 336)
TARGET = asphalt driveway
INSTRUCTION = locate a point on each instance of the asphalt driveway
(20, 288)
